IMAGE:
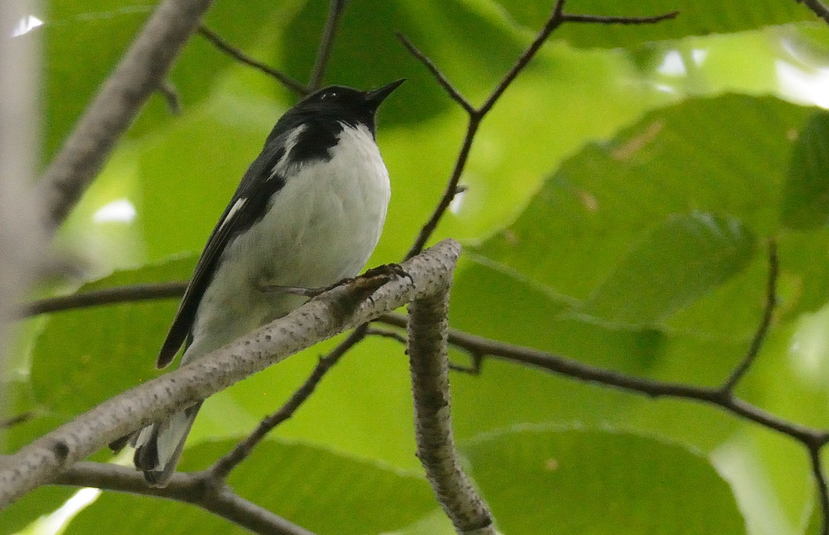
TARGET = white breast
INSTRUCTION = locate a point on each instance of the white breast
(322, 227)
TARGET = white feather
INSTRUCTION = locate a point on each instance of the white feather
(320, 227)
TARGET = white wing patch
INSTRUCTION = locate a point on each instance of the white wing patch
(240, 202)
(281, 167)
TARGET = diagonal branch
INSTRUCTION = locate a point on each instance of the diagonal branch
(240, 56)
(332, 312)
(140, 72)
(329, 32)
(765, 323)
(226, 464)
(444, 82)
(818, 7)
(476, 115)
(428, 329)
(196, 488)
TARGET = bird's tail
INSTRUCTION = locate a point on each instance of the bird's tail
(158, 446)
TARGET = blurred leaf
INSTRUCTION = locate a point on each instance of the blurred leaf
(82, 357)
(322, 491)
(597, 482)
(577, 231)
(679, 261)
(27, 509)
(83, 42)
(806, 194)
(696, 17)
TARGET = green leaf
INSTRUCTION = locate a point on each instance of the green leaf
(806, 194)
(82, 357)
(27, 509)
(696, 17)
(323, 491)
(578, 230)
(599, 482)
(679, 261)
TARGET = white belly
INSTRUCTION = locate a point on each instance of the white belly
(321, 227)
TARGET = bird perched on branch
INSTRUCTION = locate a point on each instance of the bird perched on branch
(308, 213)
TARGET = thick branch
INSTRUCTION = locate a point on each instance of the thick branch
(428, 327)
(194, 488)
(223, 466)
(330, 313)
(240, 56)
(140, 72)
(335, 12)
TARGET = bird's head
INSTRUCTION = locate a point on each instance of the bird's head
(340, 103)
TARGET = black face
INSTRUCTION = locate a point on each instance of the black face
(340, 103)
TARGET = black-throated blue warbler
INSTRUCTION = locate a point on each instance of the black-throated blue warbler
(308, 213)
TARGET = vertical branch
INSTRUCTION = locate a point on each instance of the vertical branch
(335, 11)
(21, 235)
(428, 330)
(140, 72)
(820, 483)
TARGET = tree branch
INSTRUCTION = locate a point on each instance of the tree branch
(195, 488)
(428, 328)
(329, 32)
(226, 464)
(106, 296)
(332, 312)
(140, 72)
(476, 115)
(817, 7)
(820, 483)
(240, 56)
(585, 372)
(765, 323)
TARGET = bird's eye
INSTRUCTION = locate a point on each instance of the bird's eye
(329, 94)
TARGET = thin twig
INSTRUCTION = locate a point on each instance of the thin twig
(652, 388)
(107, 296)
(820, 484)
(227, 463)
(240, 56)
(168, 91)
(383, 333)
(329, 32)
(194, 488)
(16, 420)
(137, 75)
(428, 328)
(817, 7)
(476, 115)
(765, 323)
(439, 76)
(599, 19)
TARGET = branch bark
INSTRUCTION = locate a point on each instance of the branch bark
(21, 235)
(332, 312)
(140, 72)
(428, 361)
(196, 488)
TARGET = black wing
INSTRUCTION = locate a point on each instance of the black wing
(258, 185)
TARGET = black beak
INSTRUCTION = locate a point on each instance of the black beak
(375, 97)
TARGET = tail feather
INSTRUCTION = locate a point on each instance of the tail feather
(159, 446)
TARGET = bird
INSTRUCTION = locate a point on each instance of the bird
(307, 213)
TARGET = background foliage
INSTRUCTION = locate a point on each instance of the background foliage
(619, 200)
